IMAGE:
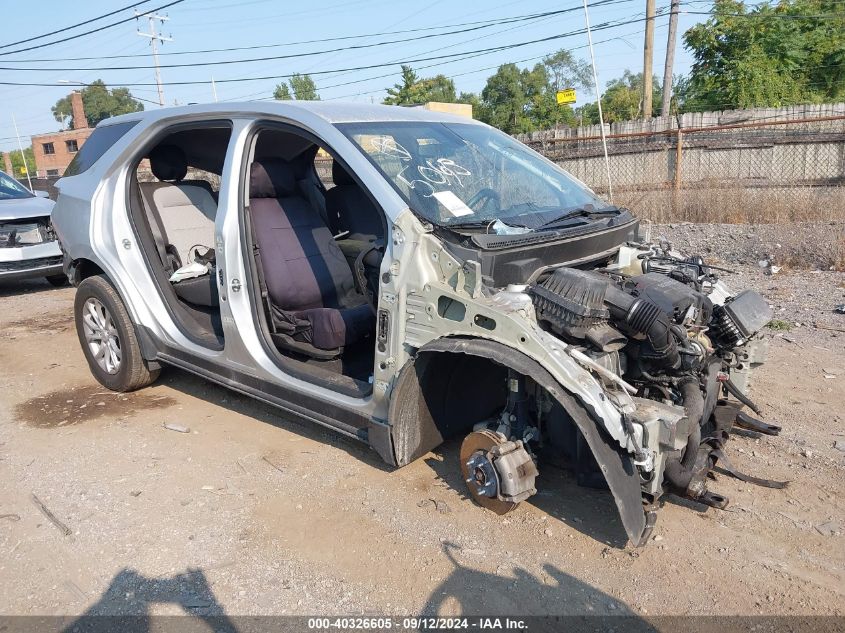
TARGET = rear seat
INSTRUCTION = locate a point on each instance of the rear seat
(181, 216)
(187, 211)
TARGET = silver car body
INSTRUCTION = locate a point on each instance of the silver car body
(416, 270)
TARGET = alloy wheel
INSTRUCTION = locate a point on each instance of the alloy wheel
(101, 335)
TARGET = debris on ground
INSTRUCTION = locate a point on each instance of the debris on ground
(177, 427)
(52, 517)
(829, 528)
(267, 459)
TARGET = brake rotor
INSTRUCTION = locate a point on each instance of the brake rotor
(480, 473)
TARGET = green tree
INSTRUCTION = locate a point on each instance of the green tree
(505, 101)
(99, 103)
(17, 163)
(412, 90)
(282, 92)
(622, 100)
(566, 72)
(304, 88)
(403, 92)
(769, 55)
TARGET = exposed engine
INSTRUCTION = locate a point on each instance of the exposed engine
(673, 351)
(670, 329)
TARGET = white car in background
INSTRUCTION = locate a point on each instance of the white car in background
(28, 245)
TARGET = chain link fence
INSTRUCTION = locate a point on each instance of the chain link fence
(762, 170)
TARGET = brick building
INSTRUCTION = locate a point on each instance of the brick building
(54, 151)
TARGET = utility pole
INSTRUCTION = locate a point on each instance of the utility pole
(648, 58)
(670, 58)
(155, 39)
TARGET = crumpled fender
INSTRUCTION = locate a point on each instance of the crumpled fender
(411, 439)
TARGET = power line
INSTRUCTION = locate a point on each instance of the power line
(603, 26)
(461, 74)
(322, 52)
(83, 34)
(493, 22)
(73, 26)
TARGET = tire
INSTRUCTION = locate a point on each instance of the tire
(107, 337)
(57, 280)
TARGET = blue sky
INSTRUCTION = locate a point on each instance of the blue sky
(204, 24)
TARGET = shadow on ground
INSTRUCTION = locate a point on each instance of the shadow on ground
(589, 511)
(565, 602)
(14, 288)
(197, 387)
(126, 603)
(554, 600)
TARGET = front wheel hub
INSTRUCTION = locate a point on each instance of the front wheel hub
(498, 473)
(482, 475)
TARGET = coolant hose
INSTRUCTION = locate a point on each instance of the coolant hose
(694, 405)
(679, 471)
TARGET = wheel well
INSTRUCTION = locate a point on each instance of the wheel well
(82, 269)
(461, 390)
(441, 395)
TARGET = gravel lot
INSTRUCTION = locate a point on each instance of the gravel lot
(253, 513)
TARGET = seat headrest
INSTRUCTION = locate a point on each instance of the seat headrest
(340, 176)
(271, 178)
(168, 162)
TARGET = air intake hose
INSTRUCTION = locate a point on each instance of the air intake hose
(572, 301)
(645, 318)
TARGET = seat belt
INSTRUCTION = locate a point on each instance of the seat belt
(157, 229)
(259, 272)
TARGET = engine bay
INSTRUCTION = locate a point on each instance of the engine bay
(673, 347)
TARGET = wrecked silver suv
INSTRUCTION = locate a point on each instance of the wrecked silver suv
(403, 277)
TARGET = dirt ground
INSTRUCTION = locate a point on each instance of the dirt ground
(254, 513)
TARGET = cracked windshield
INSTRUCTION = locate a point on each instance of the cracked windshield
(468, 175)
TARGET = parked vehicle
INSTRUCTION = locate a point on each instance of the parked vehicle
(444, 281)
(28, 247)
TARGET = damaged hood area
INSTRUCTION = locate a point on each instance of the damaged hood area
(24, 208)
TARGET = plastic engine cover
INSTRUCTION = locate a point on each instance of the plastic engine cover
(671, 296)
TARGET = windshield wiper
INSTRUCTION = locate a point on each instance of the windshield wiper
(482, 224)
(587, 211)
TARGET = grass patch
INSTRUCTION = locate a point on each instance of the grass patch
(779, 324)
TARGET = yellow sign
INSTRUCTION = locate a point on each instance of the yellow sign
(22, 169)
(565, 96)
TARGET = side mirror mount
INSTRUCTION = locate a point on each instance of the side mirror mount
(41, 194)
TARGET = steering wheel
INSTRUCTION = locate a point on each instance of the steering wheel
(485, 196)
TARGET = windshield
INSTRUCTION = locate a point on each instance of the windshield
(454, 173)
(11, 189)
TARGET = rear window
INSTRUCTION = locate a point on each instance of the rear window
(97, 144)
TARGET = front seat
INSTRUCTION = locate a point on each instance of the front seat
(315, 307)
(184, 211)
(351, 209)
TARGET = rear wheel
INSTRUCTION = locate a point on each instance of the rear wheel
(108, 339)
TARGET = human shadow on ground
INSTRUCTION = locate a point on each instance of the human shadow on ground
(125, 605)
(564, 602)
